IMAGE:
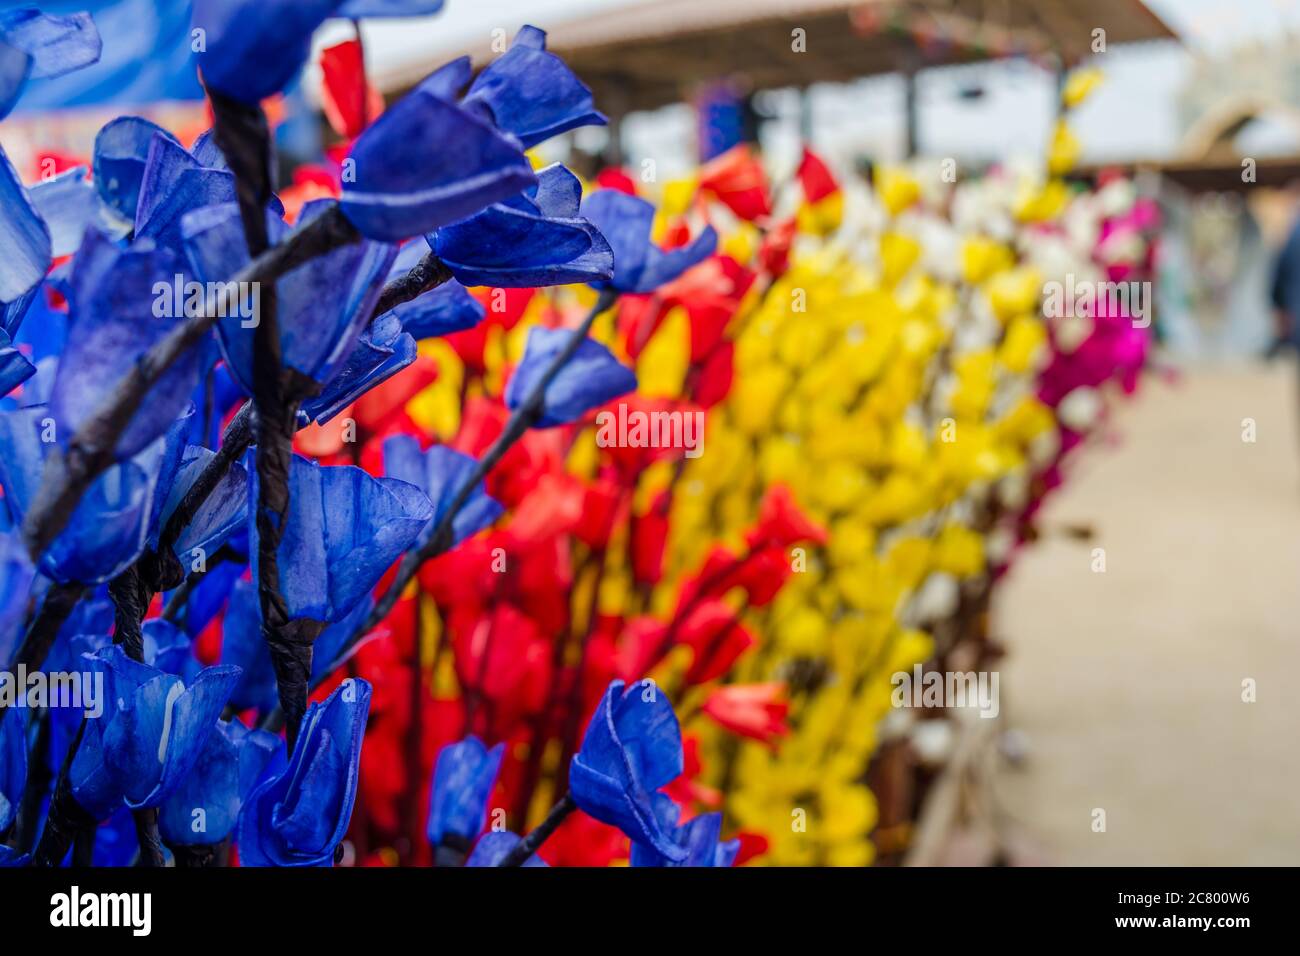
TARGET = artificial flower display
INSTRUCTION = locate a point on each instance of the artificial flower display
(525, 521)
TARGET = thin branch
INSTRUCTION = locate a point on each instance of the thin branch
(59, 602)
(530, 844)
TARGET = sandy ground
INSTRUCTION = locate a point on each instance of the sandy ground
(1128, 684)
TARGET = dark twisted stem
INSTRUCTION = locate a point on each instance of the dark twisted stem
(181, 594)
(235, 439)
(452, 851)
(533, 842)
(242, 133)
(199, 855)
(59, 601)
(131, 595)
(66, 819)
(36, 789)
(146, 831)
(428, 273)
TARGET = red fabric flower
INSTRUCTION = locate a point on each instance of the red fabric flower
(716, 638)
(751, 710)
(738, 181)
(349, 102)
(781, 523)
(815, 177)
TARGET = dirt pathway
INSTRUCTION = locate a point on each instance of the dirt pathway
(1128, 683)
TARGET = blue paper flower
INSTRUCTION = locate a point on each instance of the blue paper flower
(428, 161)
(632, 747)
(150, 734)
(589, 379)
(13, 764)
(111, 524)
(35, 45)
(699, 838)
(205, 808)
(535, 239)
(174, 183)
(439, 473)
(299, 817)
(24, 238)
(121, 152)
(243, 645)
(254, 48)
(15, 67)
(382, 351)
(68, 204)
(640, 265)
(495, 846)
(322, 306)
(462, 783)
(115, 317)
(344, 528)
(166, 648)
(222, 514)
(531, 93)
(441, 310)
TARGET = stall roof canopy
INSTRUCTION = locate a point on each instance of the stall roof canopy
(649, 53)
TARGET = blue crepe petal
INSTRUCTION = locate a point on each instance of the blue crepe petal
(343, 530)
(381, 352)
(109, 528)
(23, 237)
(15, 67)
(254, 48)
(640, 266)
(439, 473)
(427, 162)
(14, 367)
(116, 316)
(462, 784)
(441, 310)
(299, 817)
(221, 514)
(173, 184)
(526, 244)
(632, 747)
(531, 93)
(68, 204)
(589, 379)
(323, 305)
(121, 151)
(204, 809)
(57, 45)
